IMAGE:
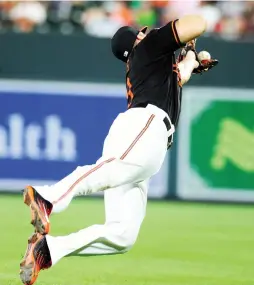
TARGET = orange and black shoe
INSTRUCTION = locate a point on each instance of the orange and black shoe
(40, 210)
(37, 258)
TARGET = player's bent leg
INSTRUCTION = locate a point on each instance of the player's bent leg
(130, 157)
(44, 200)
(105, 174)
(119, 239)
(55, 193)
(45, 251)
(95, 240)
(125, 209)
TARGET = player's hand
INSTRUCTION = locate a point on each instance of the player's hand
(189, 46)
(204, 65)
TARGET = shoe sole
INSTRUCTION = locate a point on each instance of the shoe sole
(29, 272)
(39, 218)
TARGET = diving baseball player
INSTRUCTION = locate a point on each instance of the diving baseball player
(133, 150)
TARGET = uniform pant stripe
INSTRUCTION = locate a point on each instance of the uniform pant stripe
(82, 177)
(107, 161)
(138, 137)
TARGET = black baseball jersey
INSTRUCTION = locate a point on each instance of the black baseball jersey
(151, 76)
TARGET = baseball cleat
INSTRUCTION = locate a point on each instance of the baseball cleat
(37, 258)
(40, 210)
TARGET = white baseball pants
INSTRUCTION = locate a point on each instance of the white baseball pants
(133, 152)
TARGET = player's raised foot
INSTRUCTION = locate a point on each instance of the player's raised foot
(37, 258)
(40, 210)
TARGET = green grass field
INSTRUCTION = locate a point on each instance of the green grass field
(179, 244)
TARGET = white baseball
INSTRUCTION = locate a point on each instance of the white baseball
(204, 55)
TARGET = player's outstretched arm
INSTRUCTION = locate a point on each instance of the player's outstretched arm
(185, 67)
(190, 27)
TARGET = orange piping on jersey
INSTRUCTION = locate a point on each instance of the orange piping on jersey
(177, 71)
(174, 32)
(129, 92)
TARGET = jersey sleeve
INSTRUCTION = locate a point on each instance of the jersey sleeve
(165, 40)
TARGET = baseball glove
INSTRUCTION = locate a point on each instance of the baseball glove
(204, 66)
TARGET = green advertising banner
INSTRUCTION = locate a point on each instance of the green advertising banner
(216, 145)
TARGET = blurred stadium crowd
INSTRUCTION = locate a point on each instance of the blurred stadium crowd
(227, 19)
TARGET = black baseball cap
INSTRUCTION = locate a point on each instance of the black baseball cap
(123, 40)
